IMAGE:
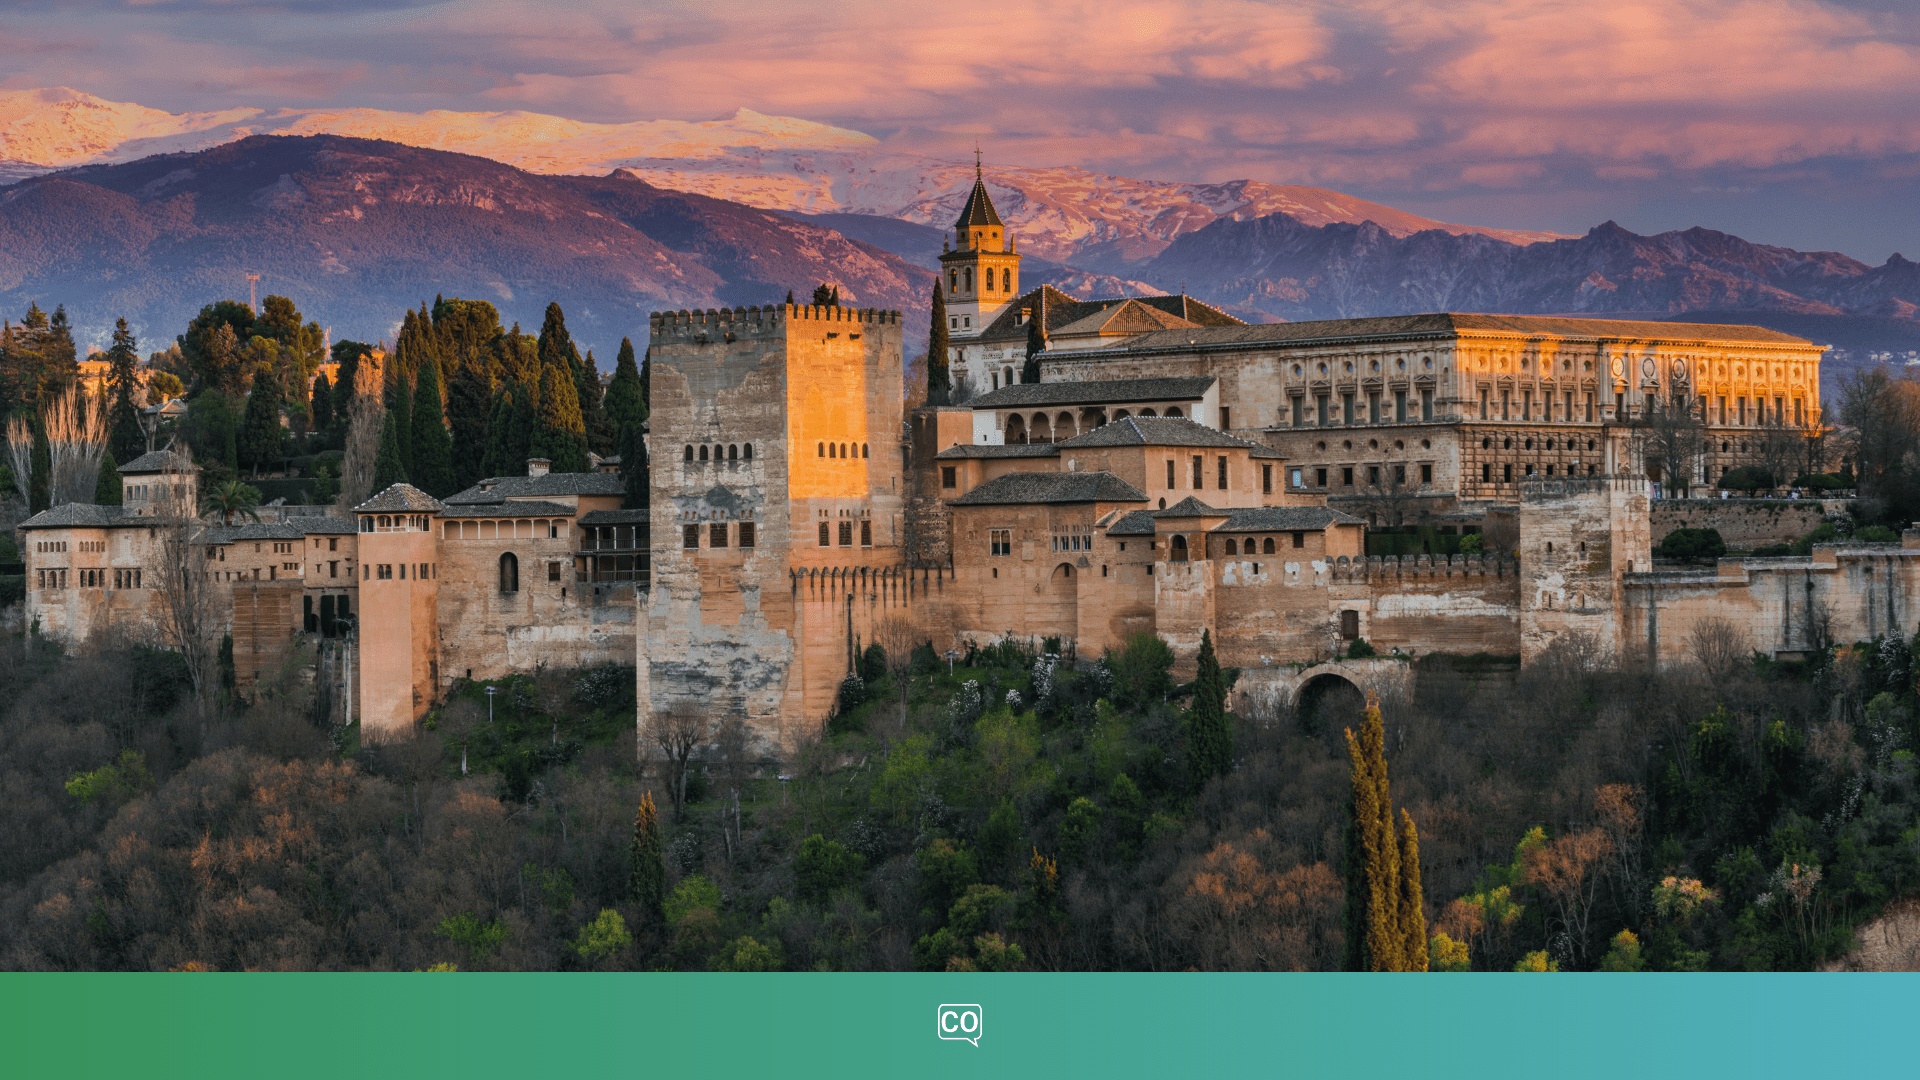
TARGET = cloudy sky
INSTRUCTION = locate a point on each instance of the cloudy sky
(1785, 121)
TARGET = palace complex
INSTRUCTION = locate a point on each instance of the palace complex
(1174, 470)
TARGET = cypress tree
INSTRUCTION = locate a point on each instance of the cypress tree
(624, 403)
(400, 405)
(647, 873)
(560, 435)
(633, 468)
(1357, 912)
(1374, 849)
(789, 297)
(822, 295)
(1209, 741)
(1413, 920)
(388, 469)
(320, 403)
(646, 385)
(259, 438)
(517, 444)
(432, 466)
(40, 484)
(1036, 340)
(499, 427)
(939, 382)
(469, 415)
(125, 435)
(106, 489)
(603, 435)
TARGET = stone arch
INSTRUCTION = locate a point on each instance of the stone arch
(1174, 410)
(1063, 427)
(1016, 429)
(1120, 414)
(509, 572)
(1146, 412)
(1041, 429)
(1177, 549)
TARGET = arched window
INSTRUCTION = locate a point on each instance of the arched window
(703, 453)
(1120, 414)
(820, 449)
(1175, 411)
(1486, 444)
(1006, 377)
(953, 281)
(1006, 280)
(746, 451)
(1179, 549)
(509, 572)
(863, 450)
(688, 456)
(1146, 412)
(733, 452)
(1232, 549)
(1266, 548)
(969, 279)
(833, 450)
(386, 522)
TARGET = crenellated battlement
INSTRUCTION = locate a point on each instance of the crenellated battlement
(755, 320)
(1541, 490)
(1381, 570)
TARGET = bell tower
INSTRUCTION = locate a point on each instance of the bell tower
(980, 269)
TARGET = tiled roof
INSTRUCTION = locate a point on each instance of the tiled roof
(400, 498)
(157, 461)
(1189, 507)
(1138, 523)
(1014, 450)
(1163, 431)
(1016, 489)
(84, 515)
(270, 530)
(1447, 324)
(1064, 311)
(322, 524)
(1285, 519)
(1126, 317)
(615, 517)
(517, 508)
(1094, 392)
(979, 209)
(498, 488)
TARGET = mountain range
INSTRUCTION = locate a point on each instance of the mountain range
(123, 210)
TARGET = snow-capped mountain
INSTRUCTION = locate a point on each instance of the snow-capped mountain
(1097, 221)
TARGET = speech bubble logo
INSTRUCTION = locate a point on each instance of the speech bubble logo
(963, 1023)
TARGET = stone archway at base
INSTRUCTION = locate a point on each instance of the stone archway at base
(1275, 688)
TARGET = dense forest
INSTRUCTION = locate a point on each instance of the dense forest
(1024, 810)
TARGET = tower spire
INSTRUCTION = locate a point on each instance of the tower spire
(976, 159)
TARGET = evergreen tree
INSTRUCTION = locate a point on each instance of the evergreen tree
(624, 404)
(400, 405)
(40, 484)
(823, 296)
(320, 404)
(106, 489)
(634, 474)
(432, 467)
(646, 385)
(259, 438)
(1036, 340)
(603, 435)
(789, 297)
(499, 429)
(939, 383)
(559, 435)
(388, 469)
(126, 437)
(1377, 853)
(1209, 740)
(469, 395)
(647, 872)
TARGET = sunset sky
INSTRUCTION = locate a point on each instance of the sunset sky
(1785, 121)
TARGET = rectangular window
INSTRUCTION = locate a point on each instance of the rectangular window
(866, 533)
(1199, 478)
(386, 571)
(1742, 405)
(1526, 404)
(746, 534)
(333, 568)
(690, 537)
(1400, 405)
(1001, 541)
(1221, 474)
(846, 534)
(1322, 399)
(1346, 408)
(1373, 475)
(1169, 474)
(1799, 412)
(1373, 409)
(1346, 476)
(1349, 625)
(717, 534)
(1266, 480)
(1296, 411)
(1483, 403)
(553, 571)
(1226, 418)
(1426, 474)
(824, 539)
(1589, 416)
(1399, 474)
(333, 543)
(1319, 478)
(1299, 539)
(1506, 474)
(1426, 404)
(947, 478)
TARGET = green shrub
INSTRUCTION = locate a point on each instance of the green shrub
(602, 937)
(1747, 478)
(1771, 551)
(1827, 533)
(1876, 534)
(824, 868)
(1693, 544)
(1359, 649)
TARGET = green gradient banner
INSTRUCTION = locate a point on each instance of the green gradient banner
(480, 1025)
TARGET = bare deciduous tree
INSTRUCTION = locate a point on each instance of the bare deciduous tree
(76, 442)
(1719, 646)
(679, 731)
(189, 615)
(895, 635)
(1780, 449)
(1387, 497)
(1884, 413)
(1667, 439)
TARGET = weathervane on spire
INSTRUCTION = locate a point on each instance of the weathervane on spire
(976, 159)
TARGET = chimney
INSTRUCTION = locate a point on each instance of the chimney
(537, 466)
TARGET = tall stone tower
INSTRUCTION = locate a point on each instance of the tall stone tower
(778, 502)
(981, 269)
